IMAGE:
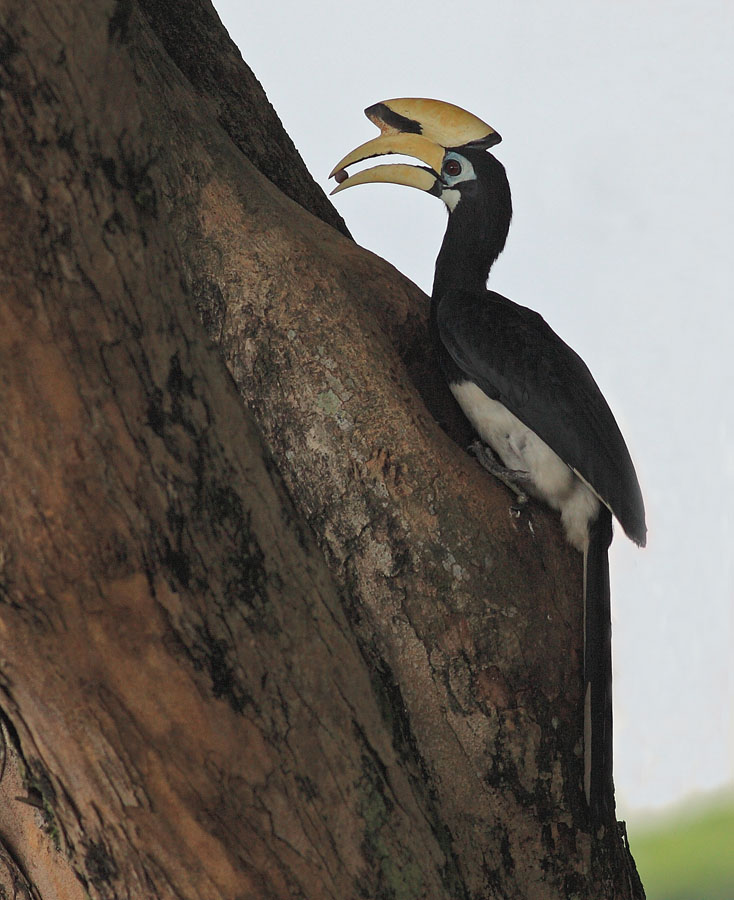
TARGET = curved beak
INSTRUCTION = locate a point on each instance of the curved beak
(417, 127)
(406, 145)
(398, 173)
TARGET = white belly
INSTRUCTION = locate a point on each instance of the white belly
(518, 447)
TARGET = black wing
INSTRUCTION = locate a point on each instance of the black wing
(517, 359)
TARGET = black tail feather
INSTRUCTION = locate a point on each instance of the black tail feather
(598, 782)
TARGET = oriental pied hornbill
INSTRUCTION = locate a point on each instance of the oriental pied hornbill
(526, 393)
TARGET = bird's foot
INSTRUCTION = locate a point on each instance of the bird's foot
(511, 478)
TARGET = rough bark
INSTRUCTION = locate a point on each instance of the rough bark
(300, 646)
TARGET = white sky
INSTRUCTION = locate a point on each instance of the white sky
(618, 139)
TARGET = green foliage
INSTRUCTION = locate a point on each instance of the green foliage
(689, 856)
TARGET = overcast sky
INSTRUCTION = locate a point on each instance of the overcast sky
(618, 139)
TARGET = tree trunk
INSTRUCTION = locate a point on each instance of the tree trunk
(267, 632)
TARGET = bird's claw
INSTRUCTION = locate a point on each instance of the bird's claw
(511, 478)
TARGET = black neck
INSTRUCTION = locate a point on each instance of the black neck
(476, 232)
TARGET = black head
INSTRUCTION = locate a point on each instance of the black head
(473, 185)
(459, 169)
(472, 177)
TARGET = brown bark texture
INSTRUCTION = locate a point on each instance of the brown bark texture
(267, 630)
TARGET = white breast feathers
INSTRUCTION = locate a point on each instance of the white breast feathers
(552, 480)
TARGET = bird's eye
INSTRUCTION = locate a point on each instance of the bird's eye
(452, 167)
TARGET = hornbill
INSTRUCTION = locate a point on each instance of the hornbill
(527, 394)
